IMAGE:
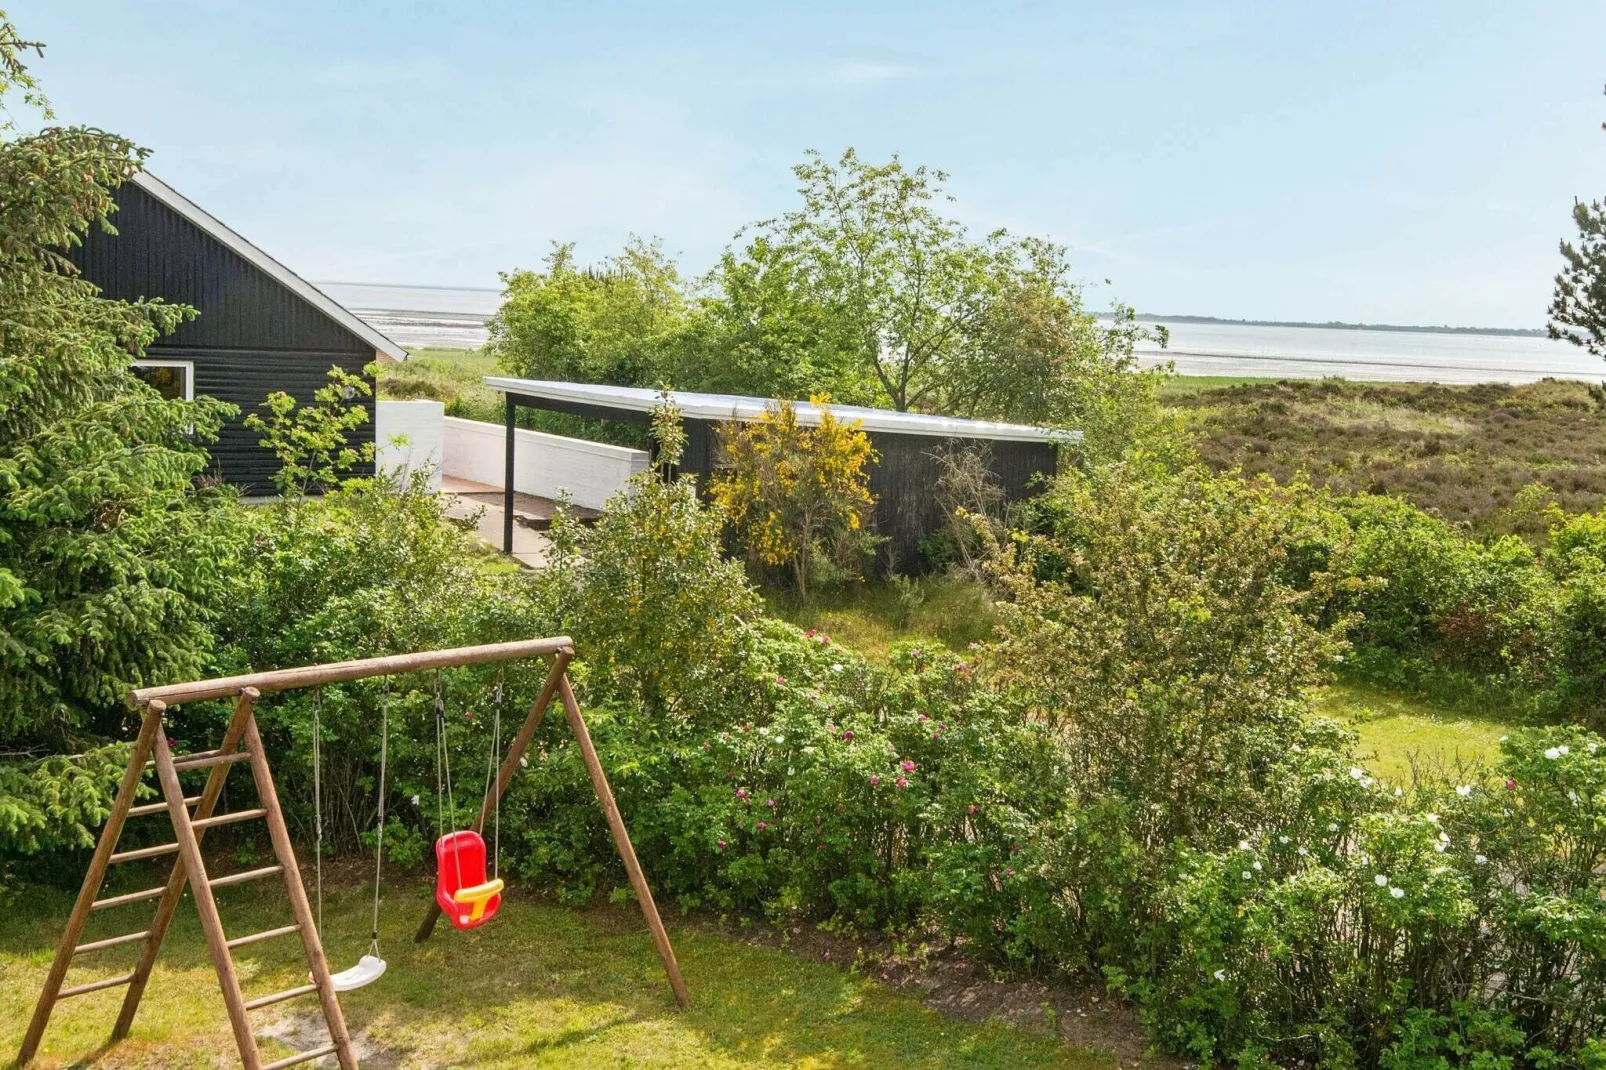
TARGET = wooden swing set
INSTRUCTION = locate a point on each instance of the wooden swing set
(471, 904)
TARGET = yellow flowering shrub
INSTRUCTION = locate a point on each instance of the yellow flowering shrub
(799, 496)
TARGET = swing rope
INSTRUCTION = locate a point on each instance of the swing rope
(443, 764)
(379, 837)
(493, 765)
(317, 799)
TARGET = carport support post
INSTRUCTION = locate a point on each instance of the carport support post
(507, 478)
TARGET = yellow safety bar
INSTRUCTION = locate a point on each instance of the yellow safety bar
(477, 896)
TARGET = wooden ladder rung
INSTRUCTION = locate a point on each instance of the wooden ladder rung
(248, 875)
(201, 761)
(301, 1057)
(143, 852)
(280, 997)
(227, 819)
(115, 941)
(266, 934)
(180, 759)
(159, 807)
(94, 986)
(131, 897)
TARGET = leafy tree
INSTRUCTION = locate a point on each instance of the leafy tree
(903, 285)
(869, 291)
(591, 325)
(759, 330)
(111, 559)
(311, 441)
(799, 496)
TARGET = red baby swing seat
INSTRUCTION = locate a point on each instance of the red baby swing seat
(461, 890)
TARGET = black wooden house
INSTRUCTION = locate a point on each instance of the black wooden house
(903, 477)
(260, 327)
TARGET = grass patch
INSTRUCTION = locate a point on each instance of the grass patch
(539, 986)
(1463, 452)
(1403, 739)
(871, 616)
(456, 377)
(1178, 385)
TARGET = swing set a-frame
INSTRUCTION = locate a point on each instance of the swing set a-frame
(193, 815)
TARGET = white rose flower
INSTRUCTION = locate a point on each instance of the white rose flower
(1398, 893)
(1463, 790)
(1243, 845)
(837, 667)
(1246, 874)
(1221, 975)
(1282, 839)
(1380, 880)
(1355, 773)
(1256, 867)
(1480, 860)
(1553, 753)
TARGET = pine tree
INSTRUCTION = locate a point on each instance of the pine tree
(111, 558)
(1578, 309)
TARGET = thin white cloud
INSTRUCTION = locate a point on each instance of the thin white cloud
(860, 71)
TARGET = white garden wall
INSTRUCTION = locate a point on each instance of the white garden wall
(420, 422)
(543, 465)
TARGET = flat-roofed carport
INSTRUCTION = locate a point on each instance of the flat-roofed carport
(906, 444)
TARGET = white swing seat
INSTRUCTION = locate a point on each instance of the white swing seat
(369, 969)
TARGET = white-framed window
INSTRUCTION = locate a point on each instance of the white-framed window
(174, 379)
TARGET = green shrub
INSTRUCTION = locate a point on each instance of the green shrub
(366, 570)
(1154, 623)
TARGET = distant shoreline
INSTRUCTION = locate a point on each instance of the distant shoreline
(1334, 325)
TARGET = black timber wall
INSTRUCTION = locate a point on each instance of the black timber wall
(902, 479)
(252, 335)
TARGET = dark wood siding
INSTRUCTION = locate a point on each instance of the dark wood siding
(902, 478)
(244, 379)
(252, 335)
(906, 472)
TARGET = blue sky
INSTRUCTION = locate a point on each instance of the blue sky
(1406, 162)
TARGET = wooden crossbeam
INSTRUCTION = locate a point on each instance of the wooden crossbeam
(242, 742)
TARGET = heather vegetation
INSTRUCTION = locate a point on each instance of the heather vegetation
(1112, 768)
(1493, 457)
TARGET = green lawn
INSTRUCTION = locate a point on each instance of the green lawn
(871, 616)
(538, 986)
(1402, 736)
